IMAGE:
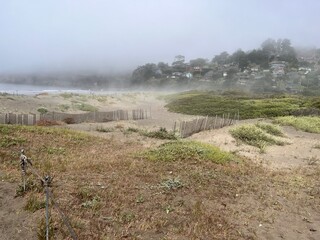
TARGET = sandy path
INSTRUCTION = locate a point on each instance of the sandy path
(15, 223)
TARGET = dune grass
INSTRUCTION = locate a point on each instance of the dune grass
(270, 128)
(257, 135)
(307, 124)
(85, 107)
(162, 133)
(188, 150)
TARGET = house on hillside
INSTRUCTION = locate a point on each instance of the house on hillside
(187, 75)
(278, 68)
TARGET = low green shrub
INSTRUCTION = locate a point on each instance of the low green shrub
(307, 124)
(255, 136)
(8, 141)
(208, 103)
(85, 107)
(187, 150)
(104, 129)
(131, 129)
(172, 184)
(271, 129)
(162, 133)
(42, 110)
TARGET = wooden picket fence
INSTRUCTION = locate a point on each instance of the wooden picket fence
(22, 119)
(187, 128)
(32, 119)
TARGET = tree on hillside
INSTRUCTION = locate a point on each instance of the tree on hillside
(144, 73)
(199, 62)
(178, 60)
(178, 64)
(259, 57)
(280, 50)
(222, 58)
(240, 57)
(287, 53)
(269, 48)
(164, 68)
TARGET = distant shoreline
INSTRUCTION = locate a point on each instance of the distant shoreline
(26, 89)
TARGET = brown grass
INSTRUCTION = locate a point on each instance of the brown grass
(45, 122)
(108, 193)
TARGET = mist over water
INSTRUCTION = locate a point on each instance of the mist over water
(112, 36)
(18, 89)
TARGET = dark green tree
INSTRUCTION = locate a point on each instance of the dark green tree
(144, 73)
(240, 58)
(178, 60)
(222, 58)
(164, 68)
(259, 57)
(269, 47)
(287, 53)
(199, 62)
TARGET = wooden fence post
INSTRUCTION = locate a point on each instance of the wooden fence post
(205, 124)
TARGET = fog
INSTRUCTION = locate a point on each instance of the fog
(112, 36)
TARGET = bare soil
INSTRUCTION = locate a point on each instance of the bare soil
(15, 222)
(285, 206)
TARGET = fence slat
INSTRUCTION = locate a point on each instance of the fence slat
(187, 128)
(31, 119)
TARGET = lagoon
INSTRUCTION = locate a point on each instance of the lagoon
(24, 89)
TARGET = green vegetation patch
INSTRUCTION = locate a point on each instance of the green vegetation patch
(18, 135)
(104, 129)
(307, 124)
(248, 106)
(162, 133)
(187, 150)
(255, 136)
(85, 107)
(172, 184)
(8, 141)
(42, 110)
(64, 107)
(271, 129)
(5, 129)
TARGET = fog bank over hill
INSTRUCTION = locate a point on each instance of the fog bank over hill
(115, 36)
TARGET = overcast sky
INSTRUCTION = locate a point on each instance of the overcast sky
(58, 35)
